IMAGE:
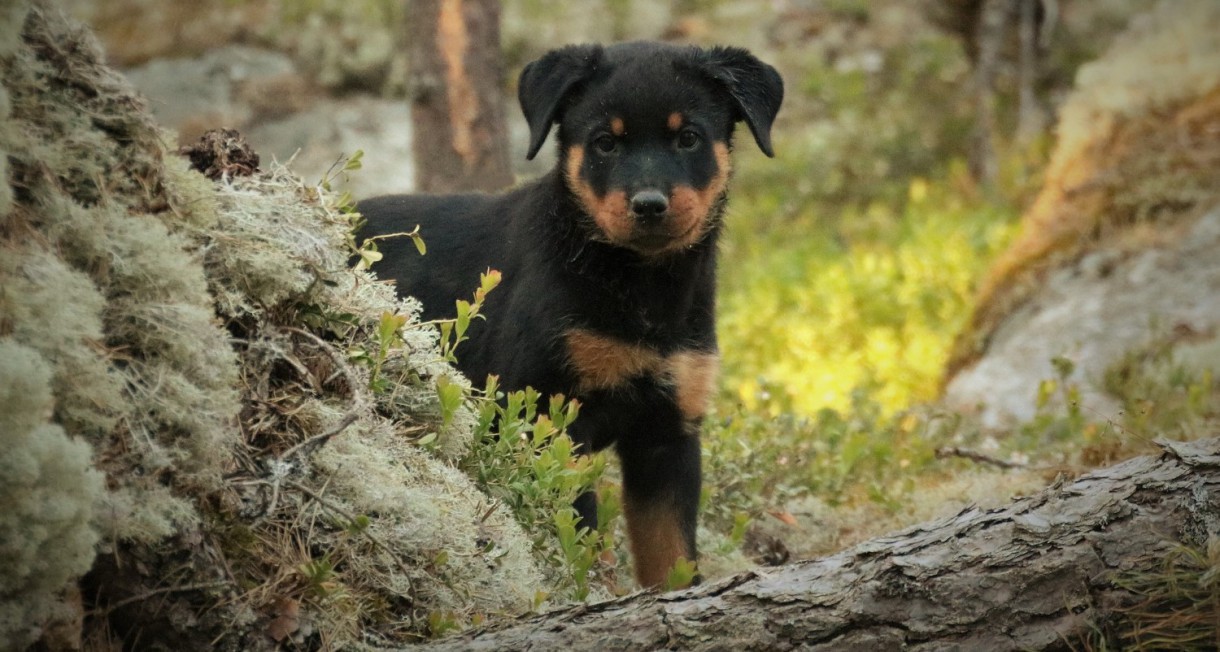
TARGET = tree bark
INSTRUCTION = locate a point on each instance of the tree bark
(992, 24)
(1035, 575)
(460, 134)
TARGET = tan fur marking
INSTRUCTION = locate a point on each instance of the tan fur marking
(691, 206)
(656, 540)
(617, 127)
(606, 363)
(675, 121)
(609, 212)
(693, 374)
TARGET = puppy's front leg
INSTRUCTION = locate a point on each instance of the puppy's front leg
(661, 479)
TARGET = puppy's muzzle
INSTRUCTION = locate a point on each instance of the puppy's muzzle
(649, 206)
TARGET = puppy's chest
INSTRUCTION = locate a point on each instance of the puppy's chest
(599, 362)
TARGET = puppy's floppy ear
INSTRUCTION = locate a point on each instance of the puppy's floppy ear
(756, 88)
(546, 83)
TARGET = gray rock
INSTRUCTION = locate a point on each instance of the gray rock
(193, 94)
(1095, 319)
(263, 95)
(315, 139)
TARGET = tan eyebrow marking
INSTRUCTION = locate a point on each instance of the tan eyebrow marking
(617, 127)
(675, 121)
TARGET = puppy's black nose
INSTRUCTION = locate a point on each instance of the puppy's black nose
(648, 205)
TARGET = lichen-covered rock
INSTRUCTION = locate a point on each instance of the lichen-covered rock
(200, 343)
(48, 490)
(1116, 253)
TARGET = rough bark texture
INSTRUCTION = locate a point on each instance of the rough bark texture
(461, 140)
(1036, 575)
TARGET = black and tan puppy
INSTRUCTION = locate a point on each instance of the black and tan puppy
(608, 261)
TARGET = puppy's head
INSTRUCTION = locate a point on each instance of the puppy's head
(645, 131)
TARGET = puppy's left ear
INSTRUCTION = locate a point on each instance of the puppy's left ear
(546, 83)
(755, 87)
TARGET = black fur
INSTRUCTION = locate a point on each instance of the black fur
(634, 278)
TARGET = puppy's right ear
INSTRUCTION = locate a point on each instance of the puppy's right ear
(546, 83)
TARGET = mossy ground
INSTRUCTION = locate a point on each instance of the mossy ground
(279, 435)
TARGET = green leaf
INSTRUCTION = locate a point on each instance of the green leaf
(368, 256)
(681, 575)
(358, 524)
(450, 395)
(388, 326)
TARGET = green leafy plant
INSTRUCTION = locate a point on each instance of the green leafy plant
(388, 338)
(319, 575)
(1160, 393)
(527, 461)
(453, 331)
(681, 575)
(368, 251)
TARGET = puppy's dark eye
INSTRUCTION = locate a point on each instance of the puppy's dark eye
(688, 139)
(605, 143)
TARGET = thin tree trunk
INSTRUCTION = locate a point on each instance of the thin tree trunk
(1031, 119)
(991, 26)
(460, 135)
(1036, 575)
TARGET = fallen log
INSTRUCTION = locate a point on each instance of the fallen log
(1038, 574)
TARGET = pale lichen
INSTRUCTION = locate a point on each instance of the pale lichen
(202, 343)
(48, 490)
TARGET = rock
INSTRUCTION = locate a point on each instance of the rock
(1148, 297)
(315, 139)
(230, 87)
(263, 95)
(136, 31)
(1119, 255)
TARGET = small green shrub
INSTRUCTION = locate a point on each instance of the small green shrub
(527, 461)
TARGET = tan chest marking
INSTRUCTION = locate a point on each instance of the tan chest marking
(606, 363)
(693, 374)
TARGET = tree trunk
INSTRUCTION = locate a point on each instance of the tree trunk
(1036, 575)
(460, 136)
(1031, 117)
(991, 28)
